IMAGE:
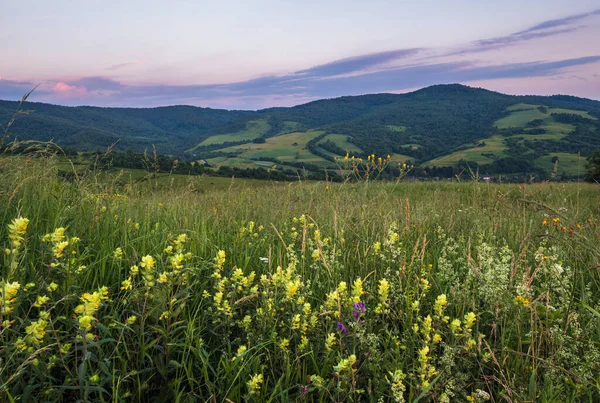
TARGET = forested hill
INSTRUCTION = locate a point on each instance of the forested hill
(440, 125)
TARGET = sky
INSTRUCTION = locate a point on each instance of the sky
(255, 54)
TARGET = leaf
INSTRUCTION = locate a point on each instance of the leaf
(427, 389)
(532, 387)
(592, 310)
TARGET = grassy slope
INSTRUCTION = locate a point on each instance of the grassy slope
(521, 114)
(341, 140)
(254, 129)
(287, 147)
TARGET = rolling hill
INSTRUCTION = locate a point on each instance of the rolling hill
(438, 126)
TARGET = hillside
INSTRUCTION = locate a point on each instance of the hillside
(438, 126)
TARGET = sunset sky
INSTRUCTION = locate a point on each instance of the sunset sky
(256, 54)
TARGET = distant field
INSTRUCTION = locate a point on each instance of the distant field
(520, 117)
(254, 129)
(569, 163)
(341, 140)
(396, 128)
(493, 145)
(288, 147)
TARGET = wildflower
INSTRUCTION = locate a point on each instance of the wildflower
(482, 394)
(220, 259)
(357, 290)
(397, 385)
(59, 248)
(8, 294)
(94, 378)
(340, 326)
(330, 341)
(41, 300)
(52, 287)
(455, 326)
(437, 338)
(241, 350)
(162, 278)
(346, 364)
(440, 303)
(127, 284)
(36, 331)
(254, 384)
(284, 344)
(148, 262)
(164, 315)
(383, 290)
(118, 254)
(134, 270)
(90, 304)
(65, 348)
(291, 288)
(469, 320)
(377, 247)
(315, 254)
(359, 308)
(519, 300)
(16, 230)
(131, 320)
(57, 236)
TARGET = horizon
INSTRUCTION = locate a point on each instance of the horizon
(236, 55)
(291, 106)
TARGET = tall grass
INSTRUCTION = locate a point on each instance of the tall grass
(302, 291)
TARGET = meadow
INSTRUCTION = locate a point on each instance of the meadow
(114, 290)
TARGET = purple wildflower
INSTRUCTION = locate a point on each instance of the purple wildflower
(341, 327)
(359, 307)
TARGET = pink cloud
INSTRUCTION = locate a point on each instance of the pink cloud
(64, 89)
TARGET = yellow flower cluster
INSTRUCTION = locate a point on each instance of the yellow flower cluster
(520, 300)
(16, 231)
(383, 291)
(8, 294)
(254, 384)
(89, 306)
(346, 366)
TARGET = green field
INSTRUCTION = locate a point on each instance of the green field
(493, 145)
(341, 140)
(570, 163)
(253, 130)
(522, 114)
(305, 291)
(288, 147)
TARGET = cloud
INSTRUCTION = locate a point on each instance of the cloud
(275, 90)
(358, 63)
(368, 73)
(559, 22)
(11, 89)
(124, 64)
(542, 30)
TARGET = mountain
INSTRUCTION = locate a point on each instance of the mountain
(441, 125)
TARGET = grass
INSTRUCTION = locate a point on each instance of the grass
(522, 114)
(493, 145)
(341, 140)
(253, 130)
(309, 291)
(572, 164)
(287, 148)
